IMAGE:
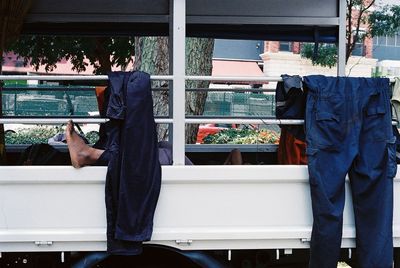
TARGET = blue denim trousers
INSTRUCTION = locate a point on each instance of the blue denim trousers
(348, 131)
(134, 173)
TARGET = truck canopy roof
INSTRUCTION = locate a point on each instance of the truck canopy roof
(281, 20)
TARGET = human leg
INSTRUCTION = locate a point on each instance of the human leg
(234, 158)
(81, 154)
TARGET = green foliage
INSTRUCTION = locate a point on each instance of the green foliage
(385, 21)
(41, 134)
(31, 135)
(381, 21)
(92, 136)
(47, 51)
(327, 54)
(242, 136)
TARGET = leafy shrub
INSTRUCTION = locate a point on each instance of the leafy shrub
(40, 134)
(92, 136)
(242, 136)
(32, 135)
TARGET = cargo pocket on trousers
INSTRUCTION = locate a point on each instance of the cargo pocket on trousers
(373, 125)
(312, 164)
(392, 164)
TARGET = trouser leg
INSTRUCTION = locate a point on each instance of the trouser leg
(372, 178)
(330, 151)
(327, 185)
(372, 182)
(372, 191)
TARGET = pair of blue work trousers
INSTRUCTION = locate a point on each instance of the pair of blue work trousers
(348, 131)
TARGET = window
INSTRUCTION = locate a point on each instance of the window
(382, 41)
(391, 41)
(387, 41)
(285, 46)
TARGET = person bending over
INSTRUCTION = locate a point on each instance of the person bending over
(82, 154)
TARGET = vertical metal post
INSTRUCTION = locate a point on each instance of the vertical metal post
(179, 40)
(341, 64)
(170, 70)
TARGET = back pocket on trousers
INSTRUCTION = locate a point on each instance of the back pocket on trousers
(328, 130)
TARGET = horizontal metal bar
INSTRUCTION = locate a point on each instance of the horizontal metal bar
(14, 90)
(190, 148)
(244, 121)
(220, 148)
(164, 120)
(276, 20)
(52, 121)
(235, 78)
(259, 121)
(232, 89)
(71, 77)
(243, 78)
(221, 89)
(153, 77)
(250, 121)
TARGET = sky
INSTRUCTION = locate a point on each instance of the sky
(392, 2)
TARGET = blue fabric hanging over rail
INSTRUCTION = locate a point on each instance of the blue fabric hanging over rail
(134, 172)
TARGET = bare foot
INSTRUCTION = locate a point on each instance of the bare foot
(80, 153)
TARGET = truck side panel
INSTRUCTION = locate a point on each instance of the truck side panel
(200, 207)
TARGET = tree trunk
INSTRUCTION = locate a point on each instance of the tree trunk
(151, 56)
(198, 62)
(103, 56)
(3, 158)
(355, 22)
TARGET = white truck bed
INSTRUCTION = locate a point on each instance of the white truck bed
(59, 208)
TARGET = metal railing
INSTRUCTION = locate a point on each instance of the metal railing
(178, 119)
(83, 120)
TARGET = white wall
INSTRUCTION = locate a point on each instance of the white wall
(279, 63)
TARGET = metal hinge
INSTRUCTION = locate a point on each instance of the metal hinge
(187, 242)
(43, 243)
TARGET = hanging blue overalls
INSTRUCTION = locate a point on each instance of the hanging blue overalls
(348, 131)
(134, 172)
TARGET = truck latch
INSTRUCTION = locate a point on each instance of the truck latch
(43, 243)
(187, 242)
(305, 240)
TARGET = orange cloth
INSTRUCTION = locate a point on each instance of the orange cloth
(291, 151)
(100, 90)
